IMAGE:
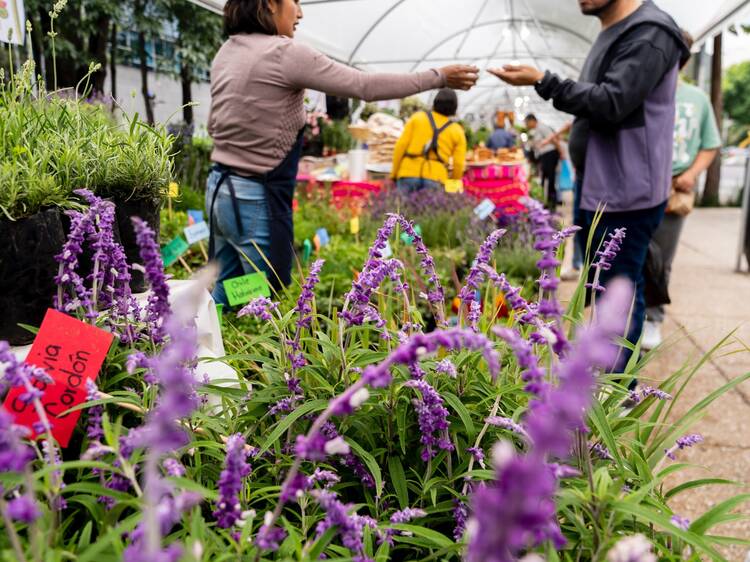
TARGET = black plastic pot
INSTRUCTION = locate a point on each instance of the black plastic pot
(147, 210)
(27, 272)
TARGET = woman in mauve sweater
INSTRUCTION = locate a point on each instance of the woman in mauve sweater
(258, 83)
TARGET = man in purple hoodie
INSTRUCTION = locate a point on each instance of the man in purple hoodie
(621, 140)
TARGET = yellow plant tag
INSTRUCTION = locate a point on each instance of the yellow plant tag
(174, 190)
(454, 186)
(354, 225)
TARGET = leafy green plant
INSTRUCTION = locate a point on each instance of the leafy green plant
(52, 145)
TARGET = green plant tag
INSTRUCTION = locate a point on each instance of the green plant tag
(220, 314)
(241, 290)
(408, 240)
(307, 249)
(174, 251)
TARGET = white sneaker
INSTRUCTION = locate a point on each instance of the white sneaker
(651, 335)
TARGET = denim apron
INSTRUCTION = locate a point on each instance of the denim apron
(279, 186)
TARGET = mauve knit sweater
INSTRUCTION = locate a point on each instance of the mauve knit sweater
(258, 85)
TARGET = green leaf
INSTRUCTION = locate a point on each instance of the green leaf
(321, 544)
(371, 463)
(463, 413)
(699, 484)
(715, 516)
(286, 423)
(85, 539)
(398, 479)
(439, 540)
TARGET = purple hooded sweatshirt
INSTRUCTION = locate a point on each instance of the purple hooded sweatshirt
(624, 103)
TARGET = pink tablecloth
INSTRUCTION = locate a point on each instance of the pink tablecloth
(504, 185)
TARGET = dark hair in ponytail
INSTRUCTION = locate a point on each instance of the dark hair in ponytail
(248, 16)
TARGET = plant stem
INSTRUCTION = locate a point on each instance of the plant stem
(10, 529)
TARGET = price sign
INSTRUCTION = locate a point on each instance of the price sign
(354, 225)
(323, 237)
(454, 186)
(196, 233)
(70, 352)
(174, 251)
(241, 290)
(484, 209)
(195, 216)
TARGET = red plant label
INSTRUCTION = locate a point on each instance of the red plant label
(71, 352)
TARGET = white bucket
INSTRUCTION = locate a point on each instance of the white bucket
(358, 165)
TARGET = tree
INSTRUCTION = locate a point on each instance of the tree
(713, 177)
(737, 92)
(198, 39)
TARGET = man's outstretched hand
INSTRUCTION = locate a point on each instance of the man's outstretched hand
(518, 75)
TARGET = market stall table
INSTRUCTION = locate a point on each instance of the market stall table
(505, 184)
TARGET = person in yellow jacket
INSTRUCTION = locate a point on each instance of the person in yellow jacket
(431, 141)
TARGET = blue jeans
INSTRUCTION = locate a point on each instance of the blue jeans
(413, 185)
(237, 253)
(641, 226)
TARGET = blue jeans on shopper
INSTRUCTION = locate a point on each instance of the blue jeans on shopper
(237, 253)
(629, 263)
(413, 185)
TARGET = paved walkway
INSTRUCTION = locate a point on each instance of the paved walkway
(710, 301)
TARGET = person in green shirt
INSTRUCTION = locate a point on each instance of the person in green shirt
(697, 141)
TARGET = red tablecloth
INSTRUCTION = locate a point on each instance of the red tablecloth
(344, 193)
(503, 184)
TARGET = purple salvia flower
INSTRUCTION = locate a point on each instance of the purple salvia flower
(562, 471)
(477, 453)
(680, 522)
(351, 461)
(158, 309)
(304, 312)
(419, 345)
(508, 424)
(169, 511)
(476, 276)
(81, 225)
(24, 509)
(269, 537)
(228, 508)
(433, 420)
(518, 510)
(648, 392)
(533, 374)
(350, 527)
(94, 426)
(174, 468)
(283, 406)
(326, 477)
(601, 452)
(460, 515)
(14, 453)
(261, 307)
(683, 443)
(304, 302)
(605, 256)
(172, 369)
(376, 270)
(446, 367)
(52, 457)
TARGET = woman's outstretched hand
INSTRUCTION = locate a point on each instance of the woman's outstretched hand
(518, 75)
(460, 76)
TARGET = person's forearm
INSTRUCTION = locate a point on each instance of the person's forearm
(703, 161)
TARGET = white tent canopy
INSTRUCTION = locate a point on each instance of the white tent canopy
(409, 35)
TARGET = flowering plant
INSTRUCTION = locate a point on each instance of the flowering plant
(355, 434)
